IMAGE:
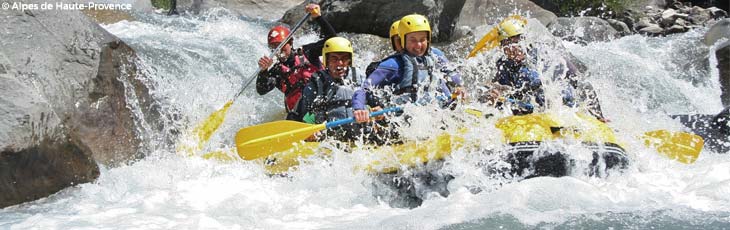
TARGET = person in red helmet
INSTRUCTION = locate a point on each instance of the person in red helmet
(295, 66)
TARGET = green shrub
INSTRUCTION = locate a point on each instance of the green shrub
(162, 4)
(601, 8)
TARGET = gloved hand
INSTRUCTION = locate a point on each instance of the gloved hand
(309, 118)
(313, 9)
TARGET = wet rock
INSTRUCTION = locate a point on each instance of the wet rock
(719, 30)
(43, 169)
(72, 98)
(643, 23)
(699, 16)
(676, 29)
(621, 28)
(723, 65)
(717, 12)
(652, 29)
(669, 16)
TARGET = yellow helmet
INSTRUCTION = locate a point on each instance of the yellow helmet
(393, 32)
(394, 29)
(511, 27)
(336, 45)
(413, 23)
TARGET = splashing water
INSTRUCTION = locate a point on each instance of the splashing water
(196, 64)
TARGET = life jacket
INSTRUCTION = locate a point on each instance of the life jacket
(294, 78)
(415, 75)
(374, 65)
(333, 101)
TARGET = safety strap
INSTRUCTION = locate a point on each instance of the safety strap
(412, 89)
(301, 82)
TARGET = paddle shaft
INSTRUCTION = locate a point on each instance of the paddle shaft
(352, 119)
(273, 53)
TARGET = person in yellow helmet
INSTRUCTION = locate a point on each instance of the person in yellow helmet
(418, 74)
(328, 95)
(519, 86)
(394, 38)
(394, 43)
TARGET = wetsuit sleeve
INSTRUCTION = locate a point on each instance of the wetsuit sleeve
(314, 50)
(266, 81)
(363, 95)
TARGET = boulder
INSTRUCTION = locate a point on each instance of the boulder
(450, 19)
(270, 10)
(376, 16)
(72, 98)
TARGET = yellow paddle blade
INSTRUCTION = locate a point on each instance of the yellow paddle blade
(206, 129)
(224, 155)
(491, 39)
(195, 140)
(682, 146)
(265, 139)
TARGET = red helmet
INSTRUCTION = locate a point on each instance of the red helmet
(278, 34)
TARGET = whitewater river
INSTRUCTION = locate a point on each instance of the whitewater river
(196, 64)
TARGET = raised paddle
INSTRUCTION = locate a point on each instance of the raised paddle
(262, 140)
(205, 129)
(491, 39)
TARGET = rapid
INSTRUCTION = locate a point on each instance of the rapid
(195, 64)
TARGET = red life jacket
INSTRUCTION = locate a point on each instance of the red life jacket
(294, 79)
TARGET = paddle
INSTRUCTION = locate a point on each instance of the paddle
(681, 146)
(491, 39)
(203, 131)
(262, 140)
